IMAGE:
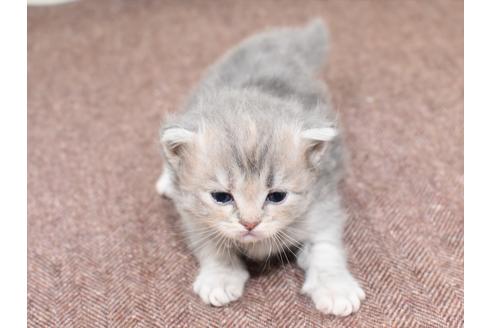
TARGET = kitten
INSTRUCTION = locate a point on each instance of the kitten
(252, 165)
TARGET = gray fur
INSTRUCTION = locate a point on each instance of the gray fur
(260, 121)
(271, 79)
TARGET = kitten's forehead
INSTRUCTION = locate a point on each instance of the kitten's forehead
(251, 152)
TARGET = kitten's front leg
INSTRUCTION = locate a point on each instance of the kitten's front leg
(328, 281)
(221, 278)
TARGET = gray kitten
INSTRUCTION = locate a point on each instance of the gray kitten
(252, 165)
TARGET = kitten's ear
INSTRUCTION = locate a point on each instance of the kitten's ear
(317, 141)
(175, 141)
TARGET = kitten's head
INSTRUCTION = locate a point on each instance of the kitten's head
(245, 167)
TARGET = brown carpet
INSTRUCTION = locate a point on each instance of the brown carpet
(105, 251)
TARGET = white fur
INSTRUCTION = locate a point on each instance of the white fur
(319, 134)
(219, 286)
(222, 275)
(164, 185)
(328, 281)
(175, 136)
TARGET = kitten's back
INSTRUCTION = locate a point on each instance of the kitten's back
(307, 44)
(281, 62)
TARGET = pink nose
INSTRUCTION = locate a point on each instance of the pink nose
(249, 225)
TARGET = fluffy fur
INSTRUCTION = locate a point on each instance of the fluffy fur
(260, 122)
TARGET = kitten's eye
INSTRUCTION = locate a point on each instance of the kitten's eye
(222, 197)
(276, 197)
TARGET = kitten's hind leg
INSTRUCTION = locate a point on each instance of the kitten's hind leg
(164, 185)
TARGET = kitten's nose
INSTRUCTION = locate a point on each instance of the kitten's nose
(250, 225)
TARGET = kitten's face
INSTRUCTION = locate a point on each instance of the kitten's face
(247, 185)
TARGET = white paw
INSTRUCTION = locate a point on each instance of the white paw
(220, 287)
(164, 185)
(340, 296)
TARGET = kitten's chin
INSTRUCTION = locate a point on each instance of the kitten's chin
(247, 237)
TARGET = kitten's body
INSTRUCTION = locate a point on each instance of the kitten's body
(259, 122)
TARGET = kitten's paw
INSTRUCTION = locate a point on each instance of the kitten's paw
(164, 185)
(220, 287)
(340, 296)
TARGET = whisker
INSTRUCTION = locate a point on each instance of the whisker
(267, 260)
(283, 248)
(287, 247)
(221, 241)
(196, 232)
(295, 243)
(275, 239)
(201, 243)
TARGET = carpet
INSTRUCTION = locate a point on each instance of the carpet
(105, 251)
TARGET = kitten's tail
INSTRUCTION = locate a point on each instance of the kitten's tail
(313, 44)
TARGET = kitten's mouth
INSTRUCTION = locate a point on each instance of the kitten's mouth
(249, 236)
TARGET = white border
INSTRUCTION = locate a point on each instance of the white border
(478, 145)
(13, 180)
(47, 2)
(478, 164)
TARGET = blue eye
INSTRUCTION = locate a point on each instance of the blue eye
(276, 197)
(222, 197)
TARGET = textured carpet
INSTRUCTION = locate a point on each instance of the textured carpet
(105, 251)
